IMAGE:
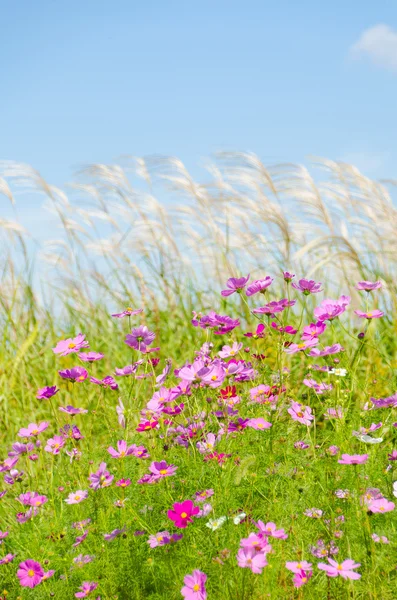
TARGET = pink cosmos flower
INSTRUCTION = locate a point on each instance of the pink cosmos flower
(32, 499)
(301, 578)
(259, 424)
(300, 445)
(90, 356)
(76, 497)
(113, 534)
(380, 539)
(270, 530)
(120, 413)
(260, 285)
(102, 478)
(65, 347)
(162, 469)
(307, 286)
(353, 459)
(287, 329)
(122, 449)
(302, 414)
(204, 495)
(86, 588)
(54, 445)
(235, 284)
(334, 349)
(373, 314)
(368, 286)
(251, 559)
(75, 374)
(147, 425)
(128, 312)
(123, 483)
(140, 338)
(7, 559)
(106, 382)
(381, 506)
(294, 348)
(313, 330)
(344, 569)
(182, 513)
(313, 513)
(230, 350)
(319, 388)
(71, 410)
(258, 542)
(295, 567)
(47, 392)
(392, 455)
(330, 309)
(194, 588)
(33, 430)
(288, 276)
(276, 306)
(259, 333)
(30, 573)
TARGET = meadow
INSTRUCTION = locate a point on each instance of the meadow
(198, 400)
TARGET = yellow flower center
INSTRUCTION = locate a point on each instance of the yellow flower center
(37, 502)
(213, 378)
(122, 453)
(183, 515)
(196, 587)
(77, 497)
(129, 308)
(31, 573)
(160, 538)
(163, 471)
(147, 427)
(81, 378)
(301, 345)
(71, 345)
(260, 425)
(339, 568)
(35, 431)
(300, 414)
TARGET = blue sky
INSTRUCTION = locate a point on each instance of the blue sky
(85, 81)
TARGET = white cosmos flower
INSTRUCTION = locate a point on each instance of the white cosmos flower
(238, 518)
(214, 524)
(339, 372)
(395, 489)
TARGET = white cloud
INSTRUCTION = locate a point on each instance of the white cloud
(379, 45)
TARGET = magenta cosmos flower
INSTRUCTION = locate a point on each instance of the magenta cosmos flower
(86, 588)
(47, 392)
(307, 286)
(194, 588)
(30, 573)
(373, 314)
(330, 309)
(106, 382)
(313, 330)
(288, 276)
(353, 459)
(77, 497)
(368, 286)
(162, 469)
(276, 306)
(334, 349)
(128, 312)
(344, 569)
(235, 284)
(74, 374)
(32, 430)
(182, 513)
(65, 347)
(260, 285)
(140, 338)
(302, 414)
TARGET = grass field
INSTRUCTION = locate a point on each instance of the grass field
(245, 447)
